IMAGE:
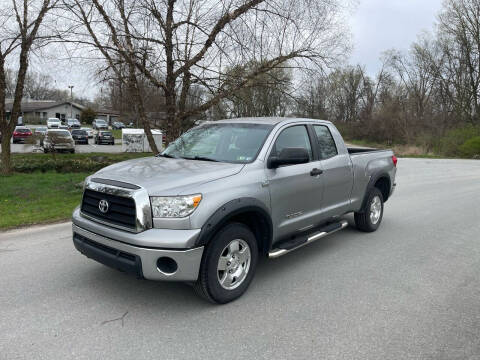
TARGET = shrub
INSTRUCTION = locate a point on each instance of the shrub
(88, 115)
(450, 143)
(471, 148)
(66, 163)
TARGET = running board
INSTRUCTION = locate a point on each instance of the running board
(327, 230)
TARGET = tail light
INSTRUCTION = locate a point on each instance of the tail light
(395, 160)
(15, 133)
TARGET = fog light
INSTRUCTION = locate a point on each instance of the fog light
(167, 265)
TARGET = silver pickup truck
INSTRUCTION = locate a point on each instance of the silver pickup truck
(225, 193)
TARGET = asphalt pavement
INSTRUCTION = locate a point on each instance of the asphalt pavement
(411, 290)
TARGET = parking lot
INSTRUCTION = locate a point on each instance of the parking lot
(408, 291)
(23, 148)
(91, 147)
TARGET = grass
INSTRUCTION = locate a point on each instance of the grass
(27, 199)
(37, 194)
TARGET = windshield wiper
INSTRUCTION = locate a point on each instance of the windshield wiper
(202, 158)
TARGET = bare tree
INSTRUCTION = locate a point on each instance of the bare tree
(184, 45)
(459, 69)
(20, 25)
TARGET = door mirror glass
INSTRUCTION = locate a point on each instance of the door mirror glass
(289, 156)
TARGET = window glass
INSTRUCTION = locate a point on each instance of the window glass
(226, 142)
(293, 137)
(326, 144)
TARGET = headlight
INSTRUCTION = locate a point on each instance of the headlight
(174, 206)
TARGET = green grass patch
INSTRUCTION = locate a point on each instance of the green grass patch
(27, 199)
(68, 163)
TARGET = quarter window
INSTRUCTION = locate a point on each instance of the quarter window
(293, 137)
(326, 144)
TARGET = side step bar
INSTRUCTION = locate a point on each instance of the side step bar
(327, 230)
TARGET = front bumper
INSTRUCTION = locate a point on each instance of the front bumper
(135, 260)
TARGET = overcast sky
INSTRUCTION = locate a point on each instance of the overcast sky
(379, 25)
(376, 26)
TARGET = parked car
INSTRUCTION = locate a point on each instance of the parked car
(73, 124)
(225, 193)
(117, 125)
(53, 123)
(63, 127)
(39, 133)
(21, 133)
(80, 136)
(104, 137)
(58, 140)
(99, 124)
(89, 132)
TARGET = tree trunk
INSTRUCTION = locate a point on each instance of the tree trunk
(6, 156)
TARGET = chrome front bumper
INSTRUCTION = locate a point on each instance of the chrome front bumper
(115, 254)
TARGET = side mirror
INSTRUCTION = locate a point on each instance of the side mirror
(289, 156)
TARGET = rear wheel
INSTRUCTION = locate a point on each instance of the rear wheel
(370, 219)
(228, 264)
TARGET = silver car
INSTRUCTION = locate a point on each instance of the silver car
(58, 140)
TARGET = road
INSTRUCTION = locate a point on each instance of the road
(409, 291)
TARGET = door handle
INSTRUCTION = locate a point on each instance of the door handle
(316, 172)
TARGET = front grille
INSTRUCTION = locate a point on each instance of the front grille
(121, 210)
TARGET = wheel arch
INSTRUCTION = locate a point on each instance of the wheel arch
(382, 182)
(248, 211)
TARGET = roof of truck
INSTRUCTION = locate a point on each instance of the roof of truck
(265, 120)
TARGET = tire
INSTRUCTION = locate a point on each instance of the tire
(45, 151)
(72, 151)
(371, 218)
(209, 284)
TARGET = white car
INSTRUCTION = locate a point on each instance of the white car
(53, 123)
(89, 132)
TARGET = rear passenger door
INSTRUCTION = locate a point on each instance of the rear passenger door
(337, 173)
(295, 191)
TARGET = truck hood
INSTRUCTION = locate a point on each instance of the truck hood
(166, 177)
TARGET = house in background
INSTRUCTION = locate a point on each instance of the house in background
(108, 115)
(37, 112)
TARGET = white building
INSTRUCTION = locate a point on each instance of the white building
(38, 111)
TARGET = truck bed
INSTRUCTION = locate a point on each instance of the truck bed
(361, 150)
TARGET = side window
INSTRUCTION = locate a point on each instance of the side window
(326, 144)
(293, 137)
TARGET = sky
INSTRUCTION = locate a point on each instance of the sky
(376, 26)
(379, 25)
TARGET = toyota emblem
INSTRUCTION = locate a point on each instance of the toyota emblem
(103, 206)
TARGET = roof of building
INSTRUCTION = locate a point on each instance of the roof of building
(36, 105)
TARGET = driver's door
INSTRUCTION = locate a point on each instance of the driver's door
(295, 192)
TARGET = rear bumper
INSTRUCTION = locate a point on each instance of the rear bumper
(139, 261)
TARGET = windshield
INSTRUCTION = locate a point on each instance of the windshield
(59, 134)
(105, 133)
(100, 122)
(79, 132)
(225, 142)
(22, 130)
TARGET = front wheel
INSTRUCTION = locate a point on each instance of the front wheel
(370, 219)
(228, 264)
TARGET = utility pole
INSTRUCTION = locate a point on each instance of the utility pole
(71, 101)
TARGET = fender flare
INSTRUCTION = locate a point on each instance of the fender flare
(230, 209)
(371, 184)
